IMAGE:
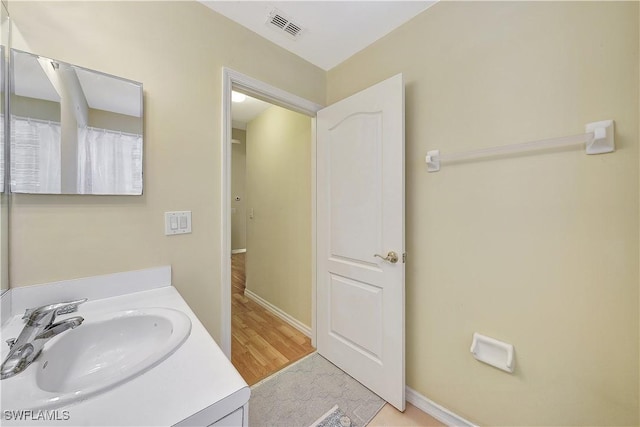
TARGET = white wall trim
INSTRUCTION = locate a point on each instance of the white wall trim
(225, 216)
(438, 412)
(271, 94)
(238, 251)
(278, 312)
(314, 231)
(232, 79)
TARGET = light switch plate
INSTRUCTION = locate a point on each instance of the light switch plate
(181, 221)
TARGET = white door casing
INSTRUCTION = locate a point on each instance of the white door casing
(360, 213)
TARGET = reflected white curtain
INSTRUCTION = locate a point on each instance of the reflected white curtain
(109, 162)
(35, 156)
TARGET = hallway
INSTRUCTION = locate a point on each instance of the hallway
(261, 343)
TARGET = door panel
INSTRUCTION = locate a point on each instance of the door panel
(360, 202)
(355, 175)
(361, 330)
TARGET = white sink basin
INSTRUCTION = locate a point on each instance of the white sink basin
(105, 351)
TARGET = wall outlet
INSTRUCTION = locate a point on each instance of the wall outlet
(177, 222)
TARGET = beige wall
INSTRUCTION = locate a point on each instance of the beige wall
(278, 263)
(238, 177)
(177, 49)
(539, 250)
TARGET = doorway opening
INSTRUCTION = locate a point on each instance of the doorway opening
(270, 237)
(266, 311)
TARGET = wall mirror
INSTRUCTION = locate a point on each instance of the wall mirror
(73, 130)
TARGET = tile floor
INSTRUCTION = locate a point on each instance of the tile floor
(412, 417)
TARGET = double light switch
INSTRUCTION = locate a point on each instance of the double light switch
(177, 222)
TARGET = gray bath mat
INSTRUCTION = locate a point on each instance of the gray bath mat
(304, 392)
(335, 417)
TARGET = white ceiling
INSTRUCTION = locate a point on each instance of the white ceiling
(333, 30)
(243, 112)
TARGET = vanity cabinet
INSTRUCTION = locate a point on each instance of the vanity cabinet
(237, 418)
(196, 385)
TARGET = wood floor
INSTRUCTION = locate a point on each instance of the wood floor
(261, 343)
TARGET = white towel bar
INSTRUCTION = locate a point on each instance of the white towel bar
(598, 139)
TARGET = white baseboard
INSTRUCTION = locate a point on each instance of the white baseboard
(279, 313)
(436, 411)
(238, 251)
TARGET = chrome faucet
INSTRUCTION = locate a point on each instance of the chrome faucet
(38, 330)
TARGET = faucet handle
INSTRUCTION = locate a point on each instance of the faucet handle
(11, 342)
(57, 328)
(35, 314)
(70, 307)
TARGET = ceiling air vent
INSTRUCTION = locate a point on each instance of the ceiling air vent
(281, 23)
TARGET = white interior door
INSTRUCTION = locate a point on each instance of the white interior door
(360, 204)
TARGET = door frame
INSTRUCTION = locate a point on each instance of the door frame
(232, 79)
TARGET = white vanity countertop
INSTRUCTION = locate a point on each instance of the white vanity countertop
(197, 377)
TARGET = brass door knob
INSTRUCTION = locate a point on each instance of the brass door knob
(391, 257)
